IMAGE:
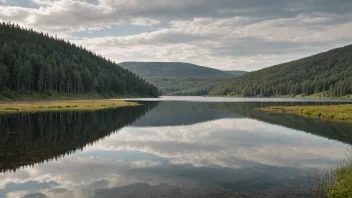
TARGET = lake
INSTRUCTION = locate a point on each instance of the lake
(169, 147)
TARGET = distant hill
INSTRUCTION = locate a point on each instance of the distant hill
(236, 72)
(33, 63)
(172, 69)
(327, 74)
(174, 78)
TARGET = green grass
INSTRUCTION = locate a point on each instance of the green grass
(61, 105)
(326, 112)
(321, 95)
(15, 96)
(337, 183)
(342, 186)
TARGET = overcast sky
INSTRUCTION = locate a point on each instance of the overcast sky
(224, 34)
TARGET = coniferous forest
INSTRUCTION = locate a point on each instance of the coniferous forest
(327, 74)
(34, 62)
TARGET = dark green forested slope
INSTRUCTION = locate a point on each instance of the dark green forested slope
(32, 62)
(327, 74)
(174, 78)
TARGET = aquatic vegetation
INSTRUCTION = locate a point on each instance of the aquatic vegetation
(338, 184)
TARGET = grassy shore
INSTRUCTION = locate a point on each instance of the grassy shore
(341, 187)
(35, 96)
(326, 112)
(336, 183)
(61, 105)
(322, 95)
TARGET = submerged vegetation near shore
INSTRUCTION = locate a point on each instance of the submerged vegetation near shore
(326, 112)
(66, 105)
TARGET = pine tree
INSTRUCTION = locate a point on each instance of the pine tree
(35, 62)
(4, 76)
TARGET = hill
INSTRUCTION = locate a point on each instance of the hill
(174, 78)
(236, 72)
(33, 63)
(172, 69)
(327, 74)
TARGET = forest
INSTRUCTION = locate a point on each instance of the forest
(327, 74)
(34, 62)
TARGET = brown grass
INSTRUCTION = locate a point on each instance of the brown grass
(326, 112)
(64, 105)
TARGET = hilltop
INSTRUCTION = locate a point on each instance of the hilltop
(327, 74)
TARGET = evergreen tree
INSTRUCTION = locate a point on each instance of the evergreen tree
(328, 73)
(4, 76)
(34, 62)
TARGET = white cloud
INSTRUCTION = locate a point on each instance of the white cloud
(229, 43)
(218, 143)
(233, 34)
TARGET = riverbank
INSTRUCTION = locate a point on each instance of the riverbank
(325, 112)
(61, 105)
(35, 96)
(341, 187)
(337, 182)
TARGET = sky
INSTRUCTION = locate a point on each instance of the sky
(224, 34)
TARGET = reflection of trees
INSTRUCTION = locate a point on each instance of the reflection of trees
(180, 113)
(333, 130)
(27, 139)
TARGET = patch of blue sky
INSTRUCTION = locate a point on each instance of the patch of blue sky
(21, 3)
(91, 1)
(118, 30)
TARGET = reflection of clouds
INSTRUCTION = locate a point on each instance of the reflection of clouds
(225, 142)
(226, 150)
(76, 176)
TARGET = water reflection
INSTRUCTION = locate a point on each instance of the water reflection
(27, 139)
(177, 149)
(185, 113)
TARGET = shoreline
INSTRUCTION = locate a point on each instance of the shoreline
(11, 107)
(347, 97)
(342, 113)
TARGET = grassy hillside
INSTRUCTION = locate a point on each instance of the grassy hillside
(174, 78)
(327, 74)
(32, 63)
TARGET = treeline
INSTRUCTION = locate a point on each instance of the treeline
(185, 86)
(36, 62)
(327, 74)
(31, 138)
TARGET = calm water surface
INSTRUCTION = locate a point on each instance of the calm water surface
(173, 147)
